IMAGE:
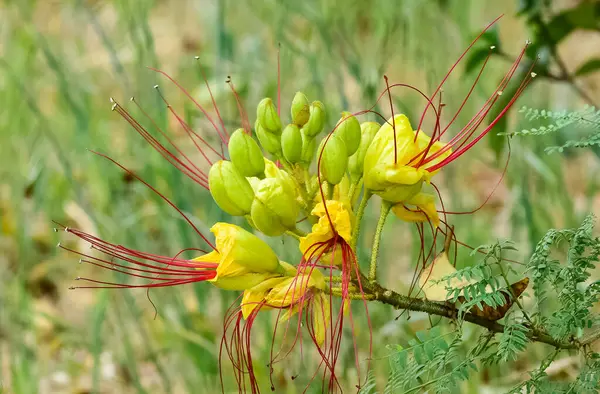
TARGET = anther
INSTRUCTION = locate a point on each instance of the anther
(155, 86)
(55, 229)
(132, 99)
(533, 75)
(500, 93)
(58, 245)
(112, 100)
(493, 47)
(78, 278)
(113, 107)
(80, 261)
(527, 42)
(197, 57)
(72, 287)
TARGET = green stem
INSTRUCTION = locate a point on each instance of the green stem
(385, 210)
(296, 233)
(359, 215)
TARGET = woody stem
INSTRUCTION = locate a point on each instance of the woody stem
(373, 291)
(385, 210)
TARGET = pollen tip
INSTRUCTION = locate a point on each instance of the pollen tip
(533, 75)
(66, 229)
(493, 47)
(55, 229)
(58, 245)
(112, 100)
(499, 93)
(80, 261)
(132, 98)
(197, 57)
(155, 86)
(528, 42)
(113, 107)
(78, 278)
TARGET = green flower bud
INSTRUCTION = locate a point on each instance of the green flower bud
(245, 154)
(266, 113)
(357, 160)
(334, 159)
(349, 129)
(291, 143)
(316, 121)
(269, 141)
(309, 146)
(274, 209)
(300, 109)
(230, 190)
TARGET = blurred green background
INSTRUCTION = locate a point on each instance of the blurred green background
(62, 60)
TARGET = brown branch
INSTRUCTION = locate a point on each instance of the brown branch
(375, 292)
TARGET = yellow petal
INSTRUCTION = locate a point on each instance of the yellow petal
(254, 296)
(424, 209)
(321, 316)
(241, 282)
(244, 248)
(212, 257)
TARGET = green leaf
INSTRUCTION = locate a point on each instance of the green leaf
(588, 67)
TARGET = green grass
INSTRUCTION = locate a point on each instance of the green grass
(61, 63)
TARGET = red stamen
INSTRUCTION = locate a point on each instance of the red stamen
(191, 98)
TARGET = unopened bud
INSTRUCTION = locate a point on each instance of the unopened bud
(316, 121)
(334, 159)
(266, 114)
(245, 154)
(269, 141)
(230, 189)
(349, 129)
(357, 160)
(291, 143)
(300, 109)
(309, 146)
(274, 209)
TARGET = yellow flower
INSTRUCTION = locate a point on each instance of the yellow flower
(244, 259)
(342, 218)
(395, 174)
(290, 293)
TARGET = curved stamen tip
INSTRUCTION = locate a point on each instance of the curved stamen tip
(58, 245)
(155, 86)
(66, 229)
(493, 47)
(114, 106)
(78, 278)
(55, 229)
(499, 92)
(533, 75)
(132, 99)
(528, 42)
(80, 261)
(197, 57)
(112, 100)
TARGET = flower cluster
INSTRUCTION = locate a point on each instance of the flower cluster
(294, 180)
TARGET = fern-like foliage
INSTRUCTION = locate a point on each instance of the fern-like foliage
(512, 342)
(567, 280)
(586, 119)
(430, 362)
